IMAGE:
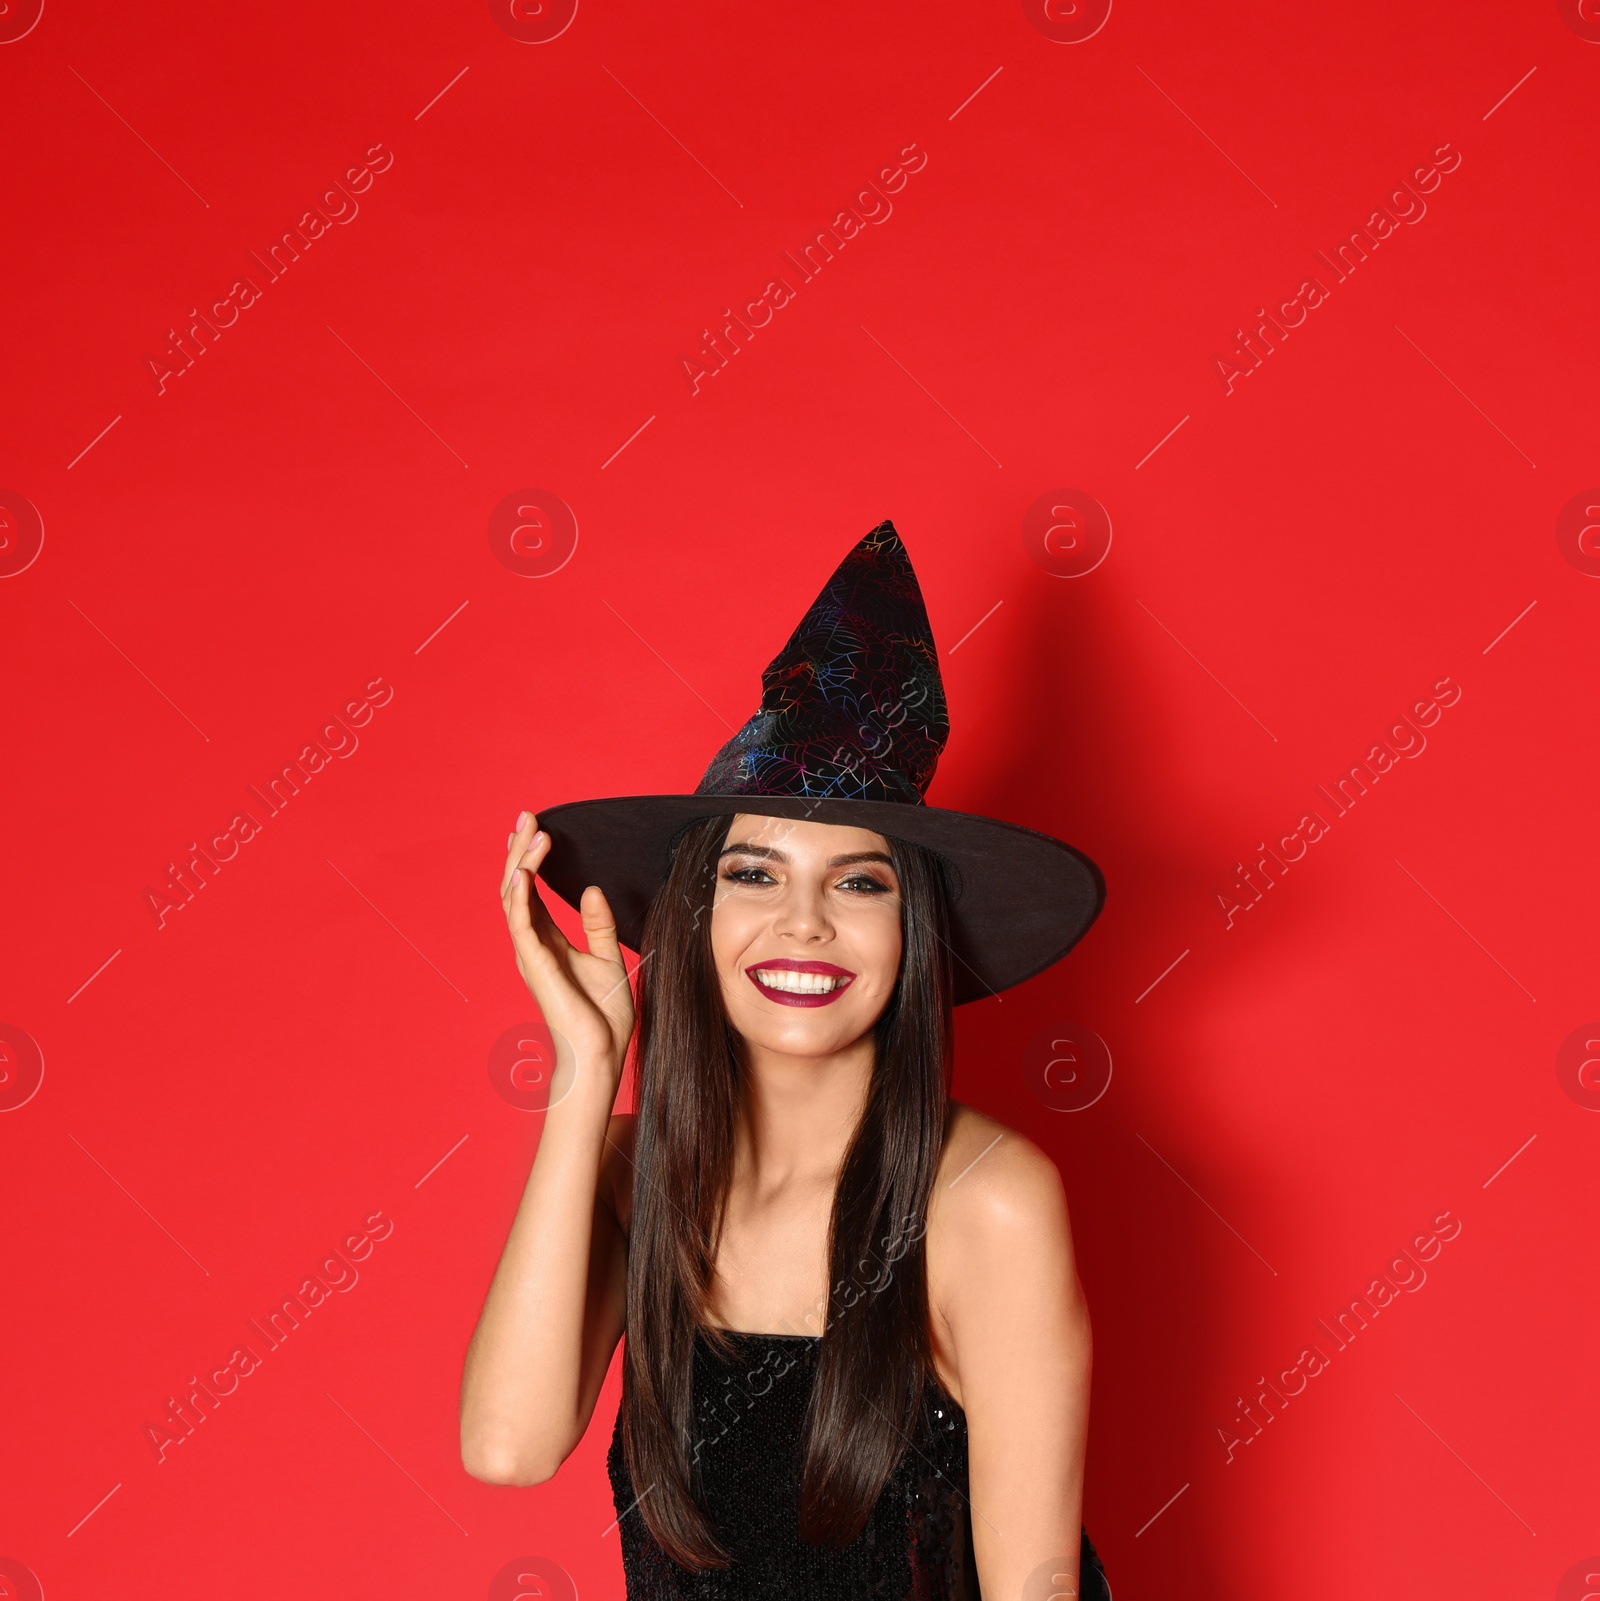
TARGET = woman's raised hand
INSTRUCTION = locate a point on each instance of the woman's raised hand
(584, 995)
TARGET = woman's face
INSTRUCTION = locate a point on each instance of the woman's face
(805, 932)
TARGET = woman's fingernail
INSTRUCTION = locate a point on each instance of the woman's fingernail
(522, 821)
(509, 838)
(538, 839)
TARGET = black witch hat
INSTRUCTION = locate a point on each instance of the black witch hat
(851, 725)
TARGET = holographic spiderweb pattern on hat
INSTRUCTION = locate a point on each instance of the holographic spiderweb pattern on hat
(853, 707)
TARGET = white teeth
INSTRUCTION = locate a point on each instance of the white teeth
(781, 978)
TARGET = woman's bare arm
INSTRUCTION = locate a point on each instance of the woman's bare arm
(1010, 1312)
(555, 1307)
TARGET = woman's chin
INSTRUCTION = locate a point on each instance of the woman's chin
(807, 1033)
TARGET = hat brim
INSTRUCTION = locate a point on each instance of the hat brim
(1022, 899)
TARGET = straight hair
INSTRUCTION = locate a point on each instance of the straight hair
(874, 1355)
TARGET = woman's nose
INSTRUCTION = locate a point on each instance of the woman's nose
(803, 914)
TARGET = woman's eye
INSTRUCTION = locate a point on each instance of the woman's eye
(864, 883)
(856, 883)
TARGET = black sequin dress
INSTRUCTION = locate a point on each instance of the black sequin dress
(916, 1546)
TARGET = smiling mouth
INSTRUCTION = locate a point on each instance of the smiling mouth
(800, 983)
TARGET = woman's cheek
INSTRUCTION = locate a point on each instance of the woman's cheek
(888, 953)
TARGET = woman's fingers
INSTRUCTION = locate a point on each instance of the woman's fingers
(542, 963)
(522, 836)
(528, 916)
(541, 945)
(527, 852)
(519, 898)
(599, 926)
(545, 926)
(579, 992)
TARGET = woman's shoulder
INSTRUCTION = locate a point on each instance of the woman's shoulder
(992, 1160)
(997, 1194)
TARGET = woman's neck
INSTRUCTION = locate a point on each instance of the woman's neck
(797, 1114)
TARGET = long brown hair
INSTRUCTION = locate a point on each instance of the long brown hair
(874, 1355)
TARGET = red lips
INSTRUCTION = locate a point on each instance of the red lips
(788, 965)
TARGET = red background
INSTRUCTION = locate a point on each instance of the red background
(302, 510)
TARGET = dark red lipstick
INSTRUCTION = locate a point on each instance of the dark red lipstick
(791, 997)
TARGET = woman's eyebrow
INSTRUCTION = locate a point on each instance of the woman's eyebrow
(771, 854)
(861, 856)
(752, 850)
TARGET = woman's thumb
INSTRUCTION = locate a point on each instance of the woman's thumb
(599, 926)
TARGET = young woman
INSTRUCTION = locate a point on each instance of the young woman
(858, 1353)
